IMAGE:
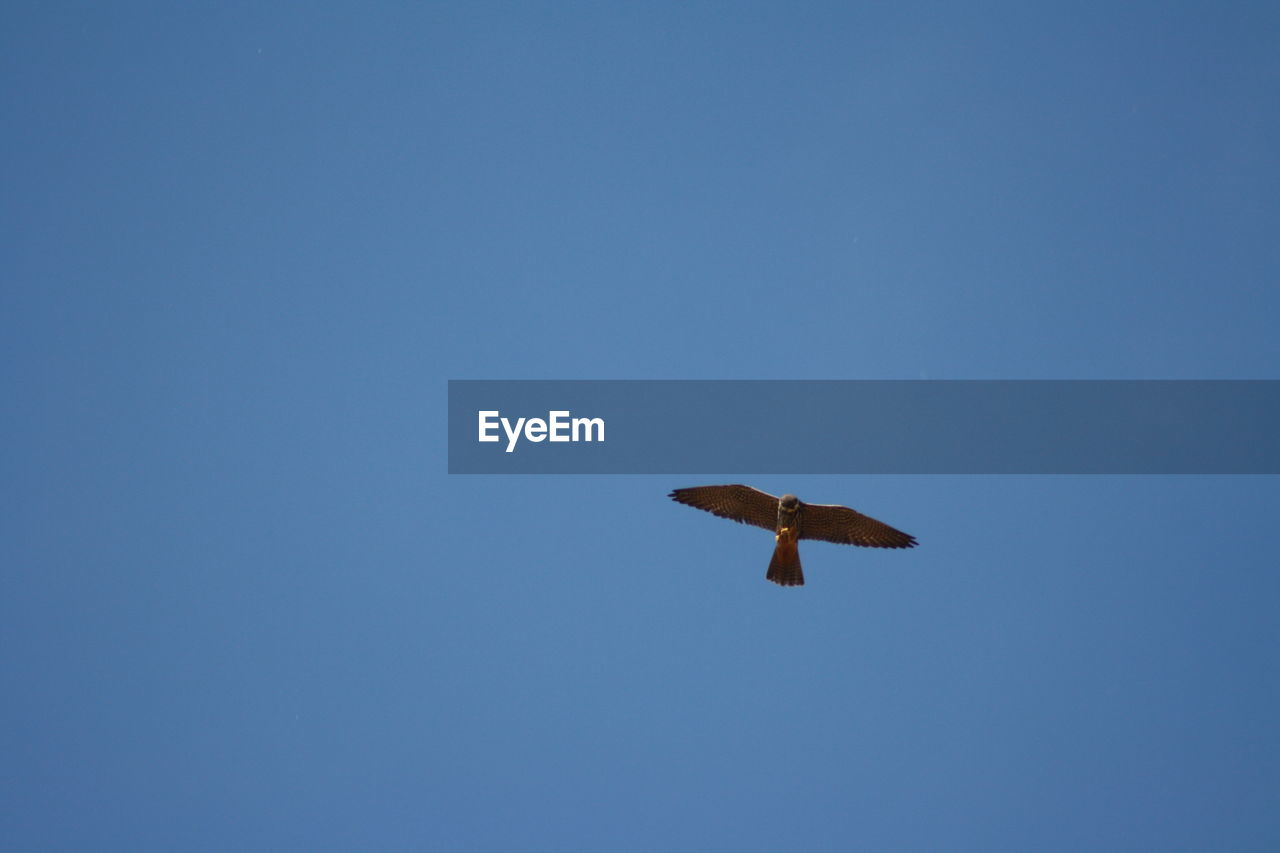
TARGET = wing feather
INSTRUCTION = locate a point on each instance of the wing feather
(845, 526)
(740, 503)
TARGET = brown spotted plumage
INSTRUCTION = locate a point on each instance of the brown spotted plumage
(792, 520)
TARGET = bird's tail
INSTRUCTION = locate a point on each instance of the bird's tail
(784, 568)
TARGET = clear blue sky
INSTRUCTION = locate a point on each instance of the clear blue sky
(242, 607)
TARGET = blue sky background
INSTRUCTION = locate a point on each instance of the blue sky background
(244, 608)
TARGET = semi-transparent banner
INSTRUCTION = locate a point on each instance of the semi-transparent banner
(863, 427)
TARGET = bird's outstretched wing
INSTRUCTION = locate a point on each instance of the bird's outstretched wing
(845, 526)
(740, 503)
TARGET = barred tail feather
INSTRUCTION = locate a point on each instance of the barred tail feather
(784, 568)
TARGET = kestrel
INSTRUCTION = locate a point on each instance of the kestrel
(792, 520)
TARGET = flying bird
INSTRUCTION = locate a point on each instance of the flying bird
(791, 520)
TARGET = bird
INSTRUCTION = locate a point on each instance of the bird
(791, 520)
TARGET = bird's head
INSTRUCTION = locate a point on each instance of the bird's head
(789, 502)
